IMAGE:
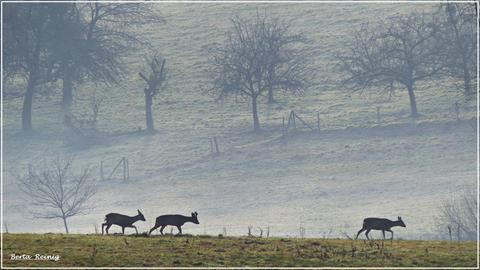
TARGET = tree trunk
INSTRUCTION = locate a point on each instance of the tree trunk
(413, 102)
(256, 123)
(148, 112)
(466, 80)
(65, 223)
(33, 68)
(27, 104)
(270, 95)
(67, 90)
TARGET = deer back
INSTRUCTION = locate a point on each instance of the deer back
(174, 220)
(119, 219)
(378, 223)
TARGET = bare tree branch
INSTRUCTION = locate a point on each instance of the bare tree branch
(400, 51)
(459, 39)
(57, 192)
(260, 55)
(459, 213)
(155, 80)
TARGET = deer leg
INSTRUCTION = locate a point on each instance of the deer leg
(133, 226)
(179, 230)
(383, 232)
(359, 232)
(103, 225)
(161, 229)
(108, 227)
(123, 230)
(153, 229)
(391, 238)
(366, 234)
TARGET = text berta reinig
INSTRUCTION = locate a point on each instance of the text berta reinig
(36, 257)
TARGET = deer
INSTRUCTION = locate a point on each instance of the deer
(122, 221)
(174, 220)
(380, 224)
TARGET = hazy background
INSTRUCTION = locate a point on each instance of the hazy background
(326, 182)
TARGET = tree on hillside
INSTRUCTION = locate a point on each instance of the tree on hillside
(155, 80)
(73, 42)
(29, 39)
(57, 192)
(460, 42)
(109, 35)
(399, 52)
(279, 42)
(65, 51)
(259, 55)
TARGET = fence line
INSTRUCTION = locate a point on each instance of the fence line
(126, 169)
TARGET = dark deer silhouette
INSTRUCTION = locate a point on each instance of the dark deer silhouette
(380, 224)
(122, 221)
(174, 220)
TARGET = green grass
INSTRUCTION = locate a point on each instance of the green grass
(189, 251)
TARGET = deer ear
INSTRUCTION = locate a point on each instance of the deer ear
(399, 218)
(196, 214)
(138, 211)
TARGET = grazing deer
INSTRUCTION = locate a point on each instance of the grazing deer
(380, 224)
(174, 220)
(122, 221)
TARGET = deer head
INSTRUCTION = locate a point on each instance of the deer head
(194, 217)
(140, 215)
(400, 222)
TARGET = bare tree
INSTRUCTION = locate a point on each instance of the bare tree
(259, 55)
(57, 192)
(400, 51)
(279, 41)
(460, 41)
(155, 80)
(459, 214)
(109, 34)
(29, 39)
(72, 42)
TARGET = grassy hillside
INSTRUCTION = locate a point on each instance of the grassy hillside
(197, 251)
(326, 182)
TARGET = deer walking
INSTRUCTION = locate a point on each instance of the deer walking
(122, 221)
(380, 224)
(173, 220)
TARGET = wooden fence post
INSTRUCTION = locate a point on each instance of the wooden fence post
(288, 123)
(379, 117)
(318, 121)
(293, 118)
(457, 110)
(128, 170)
(124, 169)
(217, 151)
(101, 171)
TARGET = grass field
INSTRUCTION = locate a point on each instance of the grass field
(200, 251)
